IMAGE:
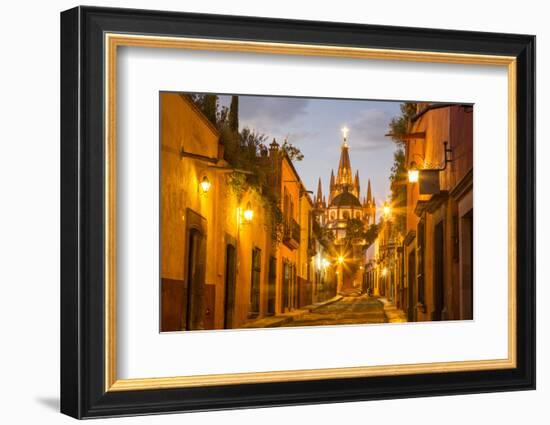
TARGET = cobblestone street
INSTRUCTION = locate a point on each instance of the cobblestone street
(349, 310)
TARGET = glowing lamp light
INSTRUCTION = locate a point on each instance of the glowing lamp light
(413, 173)
(205, 184)
(326, 263)
(248, 213)
(386, 210)
(340, 260)
(384, 271)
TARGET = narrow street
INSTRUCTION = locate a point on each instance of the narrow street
(347, 311)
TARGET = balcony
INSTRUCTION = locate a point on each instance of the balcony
(291, 234)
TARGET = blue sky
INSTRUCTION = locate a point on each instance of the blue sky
(314, 126)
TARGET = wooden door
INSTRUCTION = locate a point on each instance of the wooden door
(230, 280)
(195, 271)
(411, 282)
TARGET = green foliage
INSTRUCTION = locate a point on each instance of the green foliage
(210, 107)
(355, 230)
(233, 119)
(399, 126)
(247, 150)
(326, 236)
(237, 183)
(371, 233)
(398, 177)
(208, 104)
(294, 153)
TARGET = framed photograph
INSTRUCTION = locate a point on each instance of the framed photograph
(261, 212)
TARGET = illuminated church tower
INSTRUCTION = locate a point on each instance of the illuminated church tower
(344, 197)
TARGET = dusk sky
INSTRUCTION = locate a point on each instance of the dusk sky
(314, 126)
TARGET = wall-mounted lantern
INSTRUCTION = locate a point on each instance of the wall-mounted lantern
(248, 213)
(428, 178)
(205, 184)
(413, 173)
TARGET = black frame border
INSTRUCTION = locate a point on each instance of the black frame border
(82, 207)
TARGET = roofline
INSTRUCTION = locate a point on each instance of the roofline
(186, 99)
(433, 106)
(302, 185)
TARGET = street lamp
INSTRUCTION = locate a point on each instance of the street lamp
(341, 259)
(248, 213)
(205, 184)
(413, 173)
(428, 177)
(386, 210)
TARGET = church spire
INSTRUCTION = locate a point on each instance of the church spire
(369, 193)
(344, 176)
(319, 197)
(356, 184)
(345, 132)
(331, 187)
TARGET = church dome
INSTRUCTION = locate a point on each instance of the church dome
(345, 199)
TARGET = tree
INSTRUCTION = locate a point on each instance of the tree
(399, 126)
(234, 114)
(355, 231)
(294, 153)
(210, 107)
(244, 150)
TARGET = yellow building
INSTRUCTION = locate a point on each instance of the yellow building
(289, 189)
(307, 283)
(215, 250)
(227, 256)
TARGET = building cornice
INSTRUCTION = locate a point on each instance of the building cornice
(464, 186)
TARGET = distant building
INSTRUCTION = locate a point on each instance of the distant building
(344, 205)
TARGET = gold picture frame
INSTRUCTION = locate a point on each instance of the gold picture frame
(91, 39)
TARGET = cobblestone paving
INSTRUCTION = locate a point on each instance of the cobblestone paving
(349, 310)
